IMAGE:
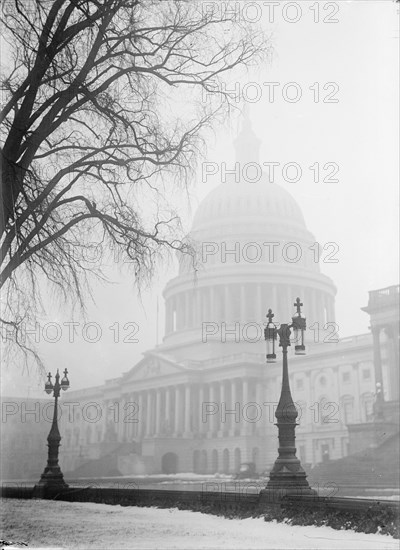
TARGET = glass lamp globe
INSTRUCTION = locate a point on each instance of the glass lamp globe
(48, 387)
(65, 381)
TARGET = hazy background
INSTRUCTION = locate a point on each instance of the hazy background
(360, 213)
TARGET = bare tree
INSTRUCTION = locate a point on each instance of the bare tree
(91, 128)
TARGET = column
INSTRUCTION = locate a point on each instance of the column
(132, 427)
(103, 421)
(222, 404)
(260, 400)
(227, 306)
(329, 318)
(377, 356)
(121, 417)
(129, 414)
(149, 415)
(210, 421)
(168, 410)
(212, 312)
(168, 323)
(187, 410)
(158, 412)
(139, 429)
(325, 314)
(217, 416)
(188, 320)
(177, 410)
(183, 320)
(206, 305)
(357, 416)
(198, 319)
(393, 360)
(320, 311)
(200, 411)
(245, 386)
(233, 424)
(178, 302)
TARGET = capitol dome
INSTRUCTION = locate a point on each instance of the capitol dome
(251, 217)
(254, 251)
(248, 201)
(261, 202)
(249, 208)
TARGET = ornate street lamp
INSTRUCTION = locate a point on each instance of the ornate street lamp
(52, 476)
(287, 476)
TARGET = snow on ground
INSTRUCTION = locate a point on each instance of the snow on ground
(75, 525)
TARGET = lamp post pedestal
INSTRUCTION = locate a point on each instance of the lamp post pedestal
(287, 476)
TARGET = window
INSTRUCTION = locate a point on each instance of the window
(347, 410)
(366, 374)
(325, 452)
(346, 377)
(299, 384)
(322, 381)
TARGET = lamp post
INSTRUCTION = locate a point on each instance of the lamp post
(52, 476)
(287, 476)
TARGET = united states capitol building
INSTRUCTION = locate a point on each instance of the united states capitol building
(203, 400)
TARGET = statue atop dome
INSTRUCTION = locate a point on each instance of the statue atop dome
(247, 144)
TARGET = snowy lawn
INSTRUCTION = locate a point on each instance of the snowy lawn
(57, 524)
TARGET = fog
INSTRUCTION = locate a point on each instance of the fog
(358, 133)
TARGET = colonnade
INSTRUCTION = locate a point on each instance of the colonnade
(243, 303)
(215, 409)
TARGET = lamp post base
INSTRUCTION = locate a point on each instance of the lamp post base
(51, 479)
(287, 477)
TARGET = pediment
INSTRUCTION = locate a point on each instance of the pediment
(153, 367)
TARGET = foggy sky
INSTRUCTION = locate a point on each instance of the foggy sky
(360, 213)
